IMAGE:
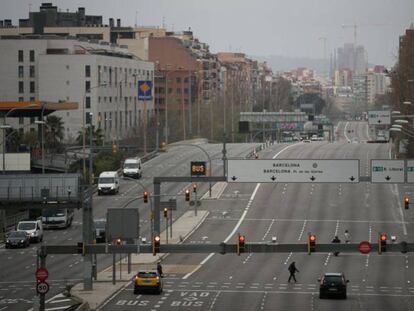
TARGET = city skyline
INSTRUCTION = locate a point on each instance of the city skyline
(291, 29)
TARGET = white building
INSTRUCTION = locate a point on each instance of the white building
(102, 78)
(377, 84)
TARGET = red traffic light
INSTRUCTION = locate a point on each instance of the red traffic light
(406, 202)
(312, 238)
(241, 238)
(187, 195)
(383, 237)
(145, 196)
(157, 238)
(311, 243)
(240, 244)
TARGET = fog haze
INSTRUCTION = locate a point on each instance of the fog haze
(262, 27)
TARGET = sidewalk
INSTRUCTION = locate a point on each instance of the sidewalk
(103, 287)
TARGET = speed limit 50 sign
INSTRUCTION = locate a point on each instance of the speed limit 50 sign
(42, 287)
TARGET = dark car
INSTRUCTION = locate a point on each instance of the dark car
(100, 230)
(333, 285)
(17, 239)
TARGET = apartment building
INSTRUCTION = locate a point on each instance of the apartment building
(101, 78)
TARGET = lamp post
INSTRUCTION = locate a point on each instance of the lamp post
(42, 141)
(4, 127)
(83, 126)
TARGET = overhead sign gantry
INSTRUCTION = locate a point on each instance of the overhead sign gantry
(293, 171)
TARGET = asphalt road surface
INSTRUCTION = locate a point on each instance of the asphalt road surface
(289, 212)
(17, 280)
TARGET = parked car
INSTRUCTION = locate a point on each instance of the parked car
(333, 284)
(33, 228)
(17, 239)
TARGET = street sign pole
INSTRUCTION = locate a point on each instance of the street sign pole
(42, 302)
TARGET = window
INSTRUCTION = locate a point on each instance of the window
(21, 99)
(21, 87)
(99, 99)
(186, 91)
(87, 102)
(21, 59)
(32, 120)
(110, 75)
(178, 91)
(32, 86)
(32, 71)
(99, 74)
(21, 120)
(87, 86)
(32, 56)
(32, 99)
(88, 118)
(87, 71)
(110, 99)
(21, 72)
(178, 79)
(186, 80)
(169, 90)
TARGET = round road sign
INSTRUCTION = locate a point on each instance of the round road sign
(41, 274)
(42, 287)
(364, 247)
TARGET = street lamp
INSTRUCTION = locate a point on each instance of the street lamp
(42, 142)
(4, 127)
(83, 125)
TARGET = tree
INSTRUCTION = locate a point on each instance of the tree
(13, 140)
(30, 139)
(97, 136)
(54, 133)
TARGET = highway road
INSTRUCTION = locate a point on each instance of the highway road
(17, 280)
(289, 212)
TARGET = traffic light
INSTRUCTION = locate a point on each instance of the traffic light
(187, 195)
(240, 244)
(145, 196)
(156, 244)
(194, 188)
(406, 202)
(382, 243)
(311, 243)
(166, 212)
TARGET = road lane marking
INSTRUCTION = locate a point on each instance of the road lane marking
(240, 220)
(346, 136)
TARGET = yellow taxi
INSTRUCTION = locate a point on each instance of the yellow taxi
(148, 280)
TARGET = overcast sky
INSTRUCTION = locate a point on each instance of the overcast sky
(258, 27)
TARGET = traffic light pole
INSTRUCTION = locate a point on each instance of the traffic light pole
(183, 179)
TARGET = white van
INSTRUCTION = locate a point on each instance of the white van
(57, 217)
(33, 228)
(108, 182)
(132, 168)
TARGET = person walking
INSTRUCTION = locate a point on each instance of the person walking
(159, 269)
(336, 240)
(292, 270)
(347, 236)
